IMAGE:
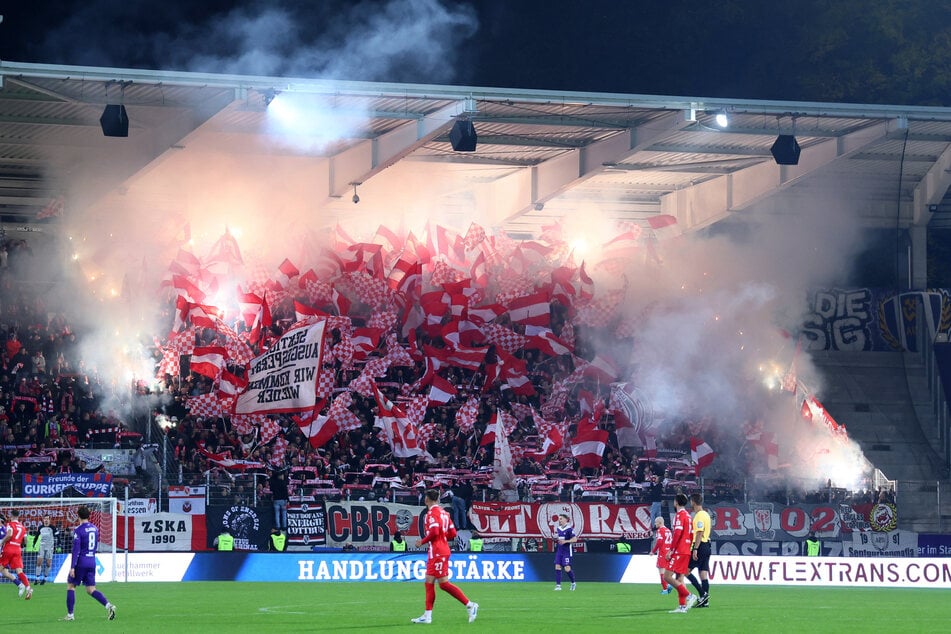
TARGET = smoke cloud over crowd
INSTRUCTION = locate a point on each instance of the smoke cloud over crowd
(716, 312)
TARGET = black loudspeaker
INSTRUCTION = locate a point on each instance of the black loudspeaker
(114, 121)
(785, 150)
(463, 136)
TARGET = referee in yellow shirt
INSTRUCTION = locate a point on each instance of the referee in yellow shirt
(700, 550)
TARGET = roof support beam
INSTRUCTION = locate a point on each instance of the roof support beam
(359, 163)
(932, 187)
(708, 202)
(512, 196)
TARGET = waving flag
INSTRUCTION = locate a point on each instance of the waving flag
(531, 309)
(316, 428)
(441, 391)
(503, 476)
(552, 444)
(399, 431)
(208, 360)
(488, 436)
(588, 446)
(701, 453)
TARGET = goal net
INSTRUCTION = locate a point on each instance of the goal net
(63, 514)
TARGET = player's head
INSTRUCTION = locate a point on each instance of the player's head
(681, 500)
(83, 512)
(432, 497)
(659, 521)
(14, 514)
(696, 500)
(47, 520)
(562, 519)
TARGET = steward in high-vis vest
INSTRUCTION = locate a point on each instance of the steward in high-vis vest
(225, 541)
(32, 542)
(475, 543)
(813, 546)
(398, 544)
(278, 541)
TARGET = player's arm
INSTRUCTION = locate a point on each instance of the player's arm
(678, 534)
(432, 531)
(77, 547)
(697, 535)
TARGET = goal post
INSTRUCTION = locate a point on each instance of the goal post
(64, 517)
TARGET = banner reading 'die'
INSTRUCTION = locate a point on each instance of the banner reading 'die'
(284, 379)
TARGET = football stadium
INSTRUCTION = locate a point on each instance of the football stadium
(300, 352)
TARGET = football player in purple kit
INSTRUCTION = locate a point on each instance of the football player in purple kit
(565, 536)
(82, 567)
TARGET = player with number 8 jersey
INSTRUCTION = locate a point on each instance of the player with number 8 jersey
(82, 566)
(439, 530)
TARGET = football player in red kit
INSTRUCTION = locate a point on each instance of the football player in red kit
(439, 530)
(678, 556)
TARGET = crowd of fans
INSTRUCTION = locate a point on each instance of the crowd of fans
(51, 404)
(360, 463)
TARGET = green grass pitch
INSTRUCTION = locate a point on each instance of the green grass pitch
(180, 608)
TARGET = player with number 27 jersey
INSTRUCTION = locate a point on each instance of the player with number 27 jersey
(439, 530)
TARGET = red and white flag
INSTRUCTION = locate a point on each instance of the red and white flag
(701, 453)
(588, 446)
(303, 311)
(544, 339)
(230, 385)
(552, 444)
(53, 209)
(531, 309)
(664, 227)
(488, 436)
(316, 428)
(285, 273)
(399, 431)
(225, 256)
(602, 369)
(208, 360)
(441, 391)
(503, 476)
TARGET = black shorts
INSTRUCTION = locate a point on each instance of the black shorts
(702, 562)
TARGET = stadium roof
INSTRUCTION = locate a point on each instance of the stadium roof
(540, 154)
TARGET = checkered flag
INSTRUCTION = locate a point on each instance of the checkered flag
(204, 405)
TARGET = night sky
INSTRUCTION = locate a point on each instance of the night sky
(875, 51)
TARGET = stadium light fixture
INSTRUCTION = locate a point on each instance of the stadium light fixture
(114, 121)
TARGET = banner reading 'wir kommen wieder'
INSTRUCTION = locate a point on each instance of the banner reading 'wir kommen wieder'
(284, 379)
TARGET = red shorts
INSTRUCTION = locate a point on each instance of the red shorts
(437, 566)
(662, 562)
(12, 560)
(679, 563)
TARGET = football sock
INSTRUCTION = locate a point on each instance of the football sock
(455, 592)
(694, 582)
(70, 601)
(22, 577)
(100, 597)
(558, 577)
(663, 583)
(705, 586)
(430, 595)
(682, 593)
(571, 576)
